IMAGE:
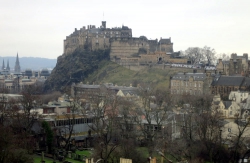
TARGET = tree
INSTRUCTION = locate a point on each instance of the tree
(152, 113)
(67, 130)
(197, 55)
(49, 135)
(104, 108)
(224, 57)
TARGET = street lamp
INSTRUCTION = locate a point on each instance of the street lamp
(162, 155)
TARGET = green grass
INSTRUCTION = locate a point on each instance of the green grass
(110, 72)
(84, 152)
(37, 159)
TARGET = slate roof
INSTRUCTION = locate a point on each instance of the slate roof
(227, 104)
(94, 30)
(228, 80)
(216, 102)
(196, 76)
(88, 86)
(246, 82)
(165, 41)
(225, 62)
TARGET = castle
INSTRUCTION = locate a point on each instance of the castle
(124, 49)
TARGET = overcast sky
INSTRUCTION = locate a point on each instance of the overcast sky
(38, 28)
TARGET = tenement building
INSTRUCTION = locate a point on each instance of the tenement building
(190, 83)
(237, 65)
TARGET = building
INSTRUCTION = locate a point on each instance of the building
(238, 96)
(124, 49)
(237, 65)
(227, 109)
(190, 83)
(17, 65)
(93, 37)
(223, 85)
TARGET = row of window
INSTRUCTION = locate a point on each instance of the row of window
(185, 83)
(190, 92)
(73, 121)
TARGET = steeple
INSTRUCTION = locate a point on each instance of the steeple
(17, 65)
(8, 66)
(3, 66)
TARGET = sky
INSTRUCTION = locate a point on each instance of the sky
(38, 28)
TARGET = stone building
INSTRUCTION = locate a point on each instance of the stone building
(223, 85)
(226, 109)
(16, 82)
(94, 37)
(190, 83)
(123, 47)
(237, 65)
(135, 47)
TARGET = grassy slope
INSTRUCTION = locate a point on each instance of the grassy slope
(110, 72)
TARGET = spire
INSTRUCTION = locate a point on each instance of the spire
(17, 65)
(3, 66)
(8, 66)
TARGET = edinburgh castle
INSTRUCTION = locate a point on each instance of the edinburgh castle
(124, 49)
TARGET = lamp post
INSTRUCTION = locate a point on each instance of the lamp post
(162, 155)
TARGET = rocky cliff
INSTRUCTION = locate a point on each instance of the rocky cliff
(74, 67)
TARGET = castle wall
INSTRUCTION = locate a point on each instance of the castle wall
(178, 60)
(121, 48)
(166, 47)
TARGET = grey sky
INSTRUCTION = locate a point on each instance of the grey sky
(38, 28)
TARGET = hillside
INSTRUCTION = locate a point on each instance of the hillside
(110, 72)
(95, 67)
(74, 68)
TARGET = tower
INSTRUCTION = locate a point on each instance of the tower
(3, 66)
(17, 65)
(8, 66)
(104, 24)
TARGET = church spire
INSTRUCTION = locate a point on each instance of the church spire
(17, 65)
(8, 66)
(3, 66)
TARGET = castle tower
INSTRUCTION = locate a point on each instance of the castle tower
(17, 65)
(104, 24)
(3, 66)
(8, 66)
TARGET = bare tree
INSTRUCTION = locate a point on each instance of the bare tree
(196, 55)
(152, 114)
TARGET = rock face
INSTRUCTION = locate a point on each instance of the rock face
(74, 67)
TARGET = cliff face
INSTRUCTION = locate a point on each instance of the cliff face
(74, 67)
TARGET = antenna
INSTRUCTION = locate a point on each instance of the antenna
(103, 16)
